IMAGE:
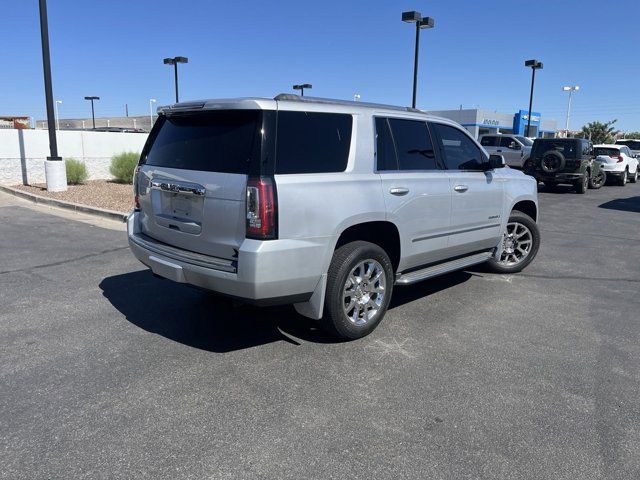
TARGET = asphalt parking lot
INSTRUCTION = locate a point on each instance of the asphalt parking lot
(108, 372)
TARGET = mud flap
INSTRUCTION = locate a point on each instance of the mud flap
(314, 306)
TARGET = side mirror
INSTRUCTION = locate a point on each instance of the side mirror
(495, 161)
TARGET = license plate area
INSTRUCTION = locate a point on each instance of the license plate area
(179, 212)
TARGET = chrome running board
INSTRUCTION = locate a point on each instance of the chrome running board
(442, 268)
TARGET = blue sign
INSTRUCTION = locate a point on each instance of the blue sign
(521, 118)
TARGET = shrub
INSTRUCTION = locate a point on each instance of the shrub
(76, 171)
(123, 166)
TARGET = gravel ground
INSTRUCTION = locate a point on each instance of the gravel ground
(96, 193)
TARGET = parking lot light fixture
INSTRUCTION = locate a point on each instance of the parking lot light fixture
(421, 23)
(534, 65)
(151, 102)
(93, 113)
(175, 61)
(356, 97)
(570, 89)
(301, 87)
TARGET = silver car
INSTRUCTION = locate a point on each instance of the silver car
(515, 149)
(328, 205)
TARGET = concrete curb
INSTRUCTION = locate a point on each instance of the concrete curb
(77, 207)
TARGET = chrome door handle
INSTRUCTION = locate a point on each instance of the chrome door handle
(461, 188)
(398, 191)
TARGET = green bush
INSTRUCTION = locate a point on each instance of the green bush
(76, 171)
(123, 166)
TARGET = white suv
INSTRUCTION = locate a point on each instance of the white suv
(618, 162)
(324, 204)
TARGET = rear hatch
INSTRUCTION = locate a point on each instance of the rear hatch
(193, 175)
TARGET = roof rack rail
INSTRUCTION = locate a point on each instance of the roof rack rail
(292, 97)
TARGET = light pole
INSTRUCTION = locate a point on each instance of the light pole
(175, 61)
(151, 102)
(421, 23)
(535, 65)
(569, 89)
(58, 102)
(93, 113)
(356, 97)
(54, 169)
(301, 87)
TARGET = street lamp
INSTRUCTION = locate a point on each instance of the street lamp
(93, 114)
(534, 65)
(151, 102)
(54, 169)
(58, 102)
(421, 23)
(175, 61)
(301, 87)
(569, 89)
(356, 97)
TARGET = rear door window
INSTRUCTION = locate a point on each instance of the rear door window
(386, 156)
(219, 141)
(458, 150)
(413, 145)
(311, 142)
(508, 142)
(489, 141)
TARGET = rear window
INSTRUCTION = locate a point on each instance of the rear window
(222, 141)
(312, 142)
(567, 148)
(632, 144)
(606, 151)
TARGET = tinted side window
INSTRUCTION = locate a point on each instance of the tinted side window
(587, 148)
(386, 158)
(489, 141)
(507, 141)
(310, 142)
(459, 151)
(413, 145)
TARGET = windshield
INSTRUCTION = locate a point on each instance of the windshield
(632, 144)
(527, 142)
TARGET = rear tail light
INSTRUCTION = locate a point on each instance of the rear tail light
(261, 209)
(618, 156)
(136, 196)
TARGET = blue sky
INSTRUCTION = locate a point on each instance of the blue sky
(474, 56)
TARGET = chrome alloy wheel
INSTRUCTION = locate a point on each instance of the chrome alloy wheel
(364, 292)
(516, 244)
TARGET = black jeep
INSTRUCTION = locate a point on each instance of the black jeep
(565, 160)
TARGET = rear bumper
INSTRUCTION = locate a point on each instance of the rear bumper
(556, 177)
(613, 169)
(269, 272)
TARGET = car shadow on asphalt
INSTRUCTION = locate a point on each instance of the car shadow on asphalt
(631, 204)
(213, 323)
(202, 319)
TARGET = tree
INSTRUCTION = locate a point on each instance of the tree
(599, 132)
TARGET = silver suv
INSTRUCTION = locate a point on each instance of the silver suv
(324, 204)
(515, 149)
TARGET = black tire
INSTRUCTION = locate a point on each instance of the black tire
(345, 259)
(582, 185)
(622, 179)
(527, 221)
(552, 161)
(634, 178)
(598, 181)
